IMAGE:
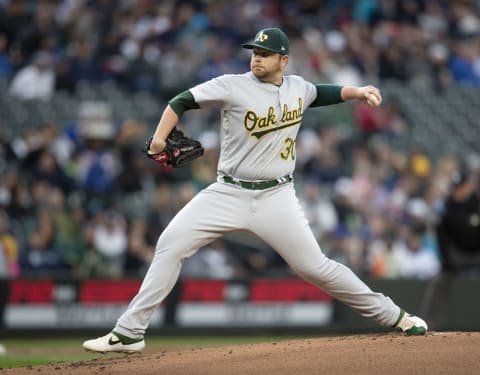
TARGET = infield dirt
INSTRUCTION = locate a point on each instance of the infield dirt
(435, 353)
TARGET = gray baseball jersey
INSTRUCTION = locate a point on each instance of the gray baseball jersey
(259, 125)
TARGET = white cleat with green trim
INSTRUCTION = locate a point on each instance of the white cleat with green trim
(114, 343)
(411, 325)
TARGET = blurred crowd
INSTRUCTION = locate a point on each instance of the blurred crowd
(166, 46)
(81, 200)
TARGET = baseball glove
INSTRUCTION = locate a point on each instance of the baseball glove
(179, 150)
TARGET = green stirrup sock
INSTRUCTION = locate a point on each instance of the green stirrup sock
(126, 340)
(402, 314)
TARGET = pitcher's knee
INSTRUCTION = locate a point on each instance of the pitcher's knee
(174, 251)
(176, 245)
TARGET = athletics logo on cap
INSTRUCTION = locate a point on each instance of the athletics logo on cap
(261, 37)
(272, 39)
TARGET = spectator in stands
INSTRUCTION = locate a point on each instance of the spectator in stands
(203, 169)
(140, 251)
(463, 63)
(113, 64)
(38, 195)
(84, 65)
(97, 166)
(91, 263)
(160, 211)
(343, 202)
(214, 261)
(458, 233)
(9, 179)
(388, 121)
(438, 55)
(9, 251)
(6, 152)
(14, 18)
(40, 256)
(141, 73)
(35, 81)
(20, 205)
(364, 179)
(9, 267)
(342, 247)
(24, 145)
(459, 227)
(419, 217)
(46, 168)
(110, 240)
(134, 175)
(383, 260)
(392, 62)
(63, 79)
(417, 261)
(318, 210)
(186, 191)
(6, 70)
(179, 68)
(69, 218)
(40, 31)
(325, 165)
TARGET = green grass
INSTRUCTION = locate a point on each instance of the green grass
(22, 361)
(41, 351)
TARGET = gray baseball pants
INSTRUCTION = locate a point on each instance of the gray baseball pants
(275, 216)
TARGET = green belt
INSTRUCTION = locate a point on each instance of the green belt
(257, 185)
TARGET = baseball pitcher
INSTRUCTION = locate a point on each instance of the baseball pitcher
(261, 113)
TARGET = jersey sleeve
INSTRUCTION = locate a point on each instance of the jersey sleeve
(310, 94)
(327, 95)
(213, 93)
(183, 102)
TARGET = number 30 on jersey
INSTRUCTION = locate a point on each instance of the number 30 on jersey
(289, 151)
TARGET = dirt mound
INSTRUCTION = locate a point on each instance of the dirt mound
(435, 353)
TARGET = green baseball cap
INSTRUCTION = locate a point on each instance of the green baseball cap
(272, 39)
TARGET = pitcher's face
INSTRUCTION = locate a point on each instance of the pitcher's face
(266, 65)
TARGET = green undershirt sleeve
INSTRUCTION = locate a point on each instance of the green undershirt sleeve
(183, 102)
(327, 95)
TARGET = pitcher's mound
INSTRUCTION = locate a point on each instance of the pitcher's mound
(435, 353)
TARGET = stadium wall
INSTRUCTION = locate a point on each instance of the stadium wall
(260, 304)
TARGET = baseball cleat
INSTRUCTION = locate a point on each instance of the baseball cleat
(411, 325)
(114, 342)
